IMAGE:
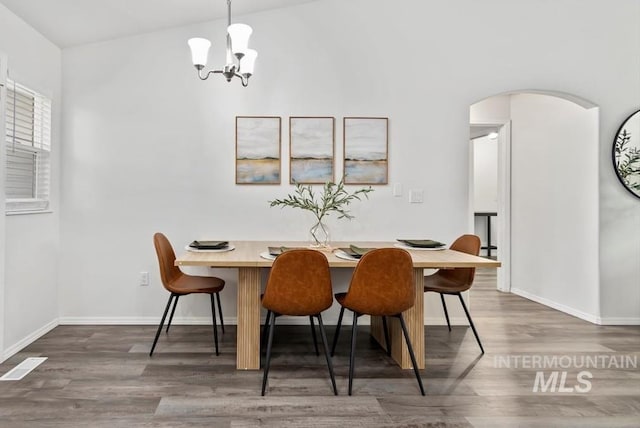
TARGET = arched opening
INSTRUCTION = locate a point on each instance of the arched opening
(535, 182)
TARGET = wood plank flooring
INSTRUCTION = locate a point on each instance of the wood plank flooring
(101, 376)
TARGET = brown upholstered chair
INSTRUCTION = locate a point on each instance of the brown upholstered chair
(299, 284)
(180, 284)
(382, 285)
(455, 281)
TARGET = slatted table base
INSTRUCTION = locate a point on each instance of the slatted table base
(414, 319)
(248, 335)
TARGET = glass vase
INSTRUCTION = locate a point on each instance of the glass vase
(319, 235)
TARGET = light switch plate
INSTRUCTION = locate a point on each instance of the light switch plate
(397, 190)
(416, 196)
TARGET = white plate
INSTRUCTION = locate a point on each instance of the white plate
(342, 255)
(408, 247)
(267, 255)
(221, 250)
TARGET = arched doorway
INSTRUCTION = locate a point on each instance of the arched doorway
(546, 197)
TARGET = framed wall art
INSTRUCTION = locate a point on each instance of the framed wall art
(311, 149)
(626, 154)
(258, 149)
(366, 150)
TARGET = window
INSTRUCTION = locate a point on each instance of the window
(28, 147)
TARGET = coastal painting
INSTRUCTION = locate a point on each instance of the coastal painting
(366, 154)
(311, 143)
(258, 149)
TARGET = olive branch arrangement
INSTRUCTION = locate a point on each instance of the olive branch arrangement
(334, 197)
(627, 159)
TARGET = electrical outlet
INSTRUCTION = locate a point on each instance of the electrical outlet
(144, 278)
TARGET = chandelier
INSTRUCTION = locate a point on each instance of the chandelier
(240, 59)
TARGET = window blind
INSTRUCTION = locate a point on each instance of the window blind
(28, 146)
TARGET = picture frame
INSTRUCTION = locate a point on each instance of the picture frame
(311, 149)
(366, 150)
(626, 153)
(258, 149)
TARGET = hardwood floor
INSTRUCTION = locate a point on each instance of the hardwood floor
(99, 376)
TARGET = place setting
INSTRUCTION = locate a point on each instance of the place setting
(209, 246)
(420, 244)
(352, 252)
(273, 252)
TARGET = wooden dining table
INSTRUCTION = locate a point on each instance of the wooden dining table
(247, 259)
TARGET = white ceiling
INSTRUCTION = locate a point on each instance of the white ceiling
(75, 22)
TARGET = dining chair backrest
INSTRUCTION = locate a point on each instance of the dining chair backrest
(169, 273)
(382, 283)
(299, 284)
(469, 244)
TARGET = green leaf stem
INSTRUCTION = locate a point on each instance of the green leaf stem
(334, 197)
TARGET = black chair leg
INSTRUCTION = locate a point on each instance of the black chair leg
(411, 354)
(313, 333)
(386, 335)
(265, 330)
(215, 327)
(265, 375)
(325, 344)
(470, 322)
(220, 312)
(335, 336)
(161, 323)
(446, 313)
(352, 357)
(175, 303)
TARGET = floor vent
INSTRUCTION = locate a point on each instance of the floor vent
(23, 369)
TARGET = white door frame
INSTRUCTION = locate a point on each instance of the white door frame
(3, 163)
(503, 220)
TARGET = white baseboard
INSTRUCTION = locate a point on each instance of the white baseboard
(234, 321)
(188, 321)
(17, 347)
(558, 306)
(20, 345)
(619, 321)
(138, 321)
(442, 321)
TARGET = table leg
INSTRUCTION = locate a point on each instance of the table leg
(488, 236)
(414, 318)
(248, 337)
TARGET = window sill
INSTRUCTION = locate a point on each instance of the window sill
(27, 206)
(28, 212)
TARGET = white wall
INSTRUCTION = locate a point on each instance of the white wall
(551, 209)
(620, 253)
(485, 171)
(485, 186)
(493, 110)
(554, 204)
(3, 95)
(31, 241)
(149, 147)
